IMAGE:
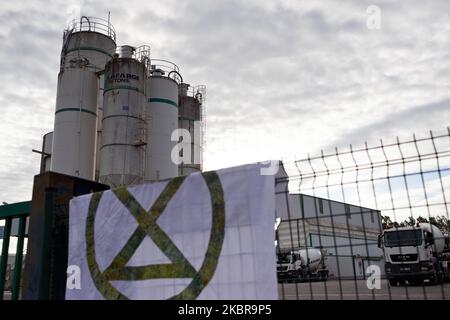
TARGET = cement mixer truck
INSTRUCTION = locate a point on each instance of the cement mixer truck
(415, 254)
(305, 264)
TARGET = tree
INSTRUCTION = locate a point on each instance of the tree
(422, 220)
(386, 219)
(439, 221)
(387, 222)
(411, 222)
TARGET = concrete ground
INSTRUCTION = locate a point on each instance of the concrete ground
(353, 290)
(346, 290)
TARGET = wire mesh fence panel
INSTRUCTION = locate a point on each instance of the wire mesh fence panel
(366, 223)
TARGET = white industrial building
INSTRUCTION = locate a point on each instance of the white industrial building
(347, 233)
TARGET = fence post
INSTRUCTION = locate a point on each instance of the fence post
(46, 243)
(354, 268)
(18, 260)
(46, 260)
(4, 258)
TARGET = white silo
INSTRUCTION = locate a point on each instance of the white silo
(88, 44)
(161, 112)
(123, 139)
(191, 107)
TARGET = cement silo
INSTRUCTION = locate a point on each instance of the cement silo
(122, 150)
(161, 112)
(88, 44)
(191, 109)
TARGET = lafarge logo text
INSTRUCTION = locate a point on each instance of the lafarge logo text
(122, 77)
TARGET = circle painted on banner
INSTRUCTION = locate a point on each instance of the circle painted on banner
(147, 226)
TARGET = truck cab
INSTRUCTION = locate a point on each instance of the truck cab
(414, 254)
(286, 266)
(302, 264)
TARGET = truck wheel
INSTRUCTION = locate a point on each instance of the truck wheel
(393, 282)
(401, 282)
(434, 280)
(439, 278)
(293, 278)
(447, 277)
(298, 277)
(416, 282)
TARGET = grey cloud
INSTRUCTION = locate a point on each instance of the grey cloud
(398, 122)
(306, 72)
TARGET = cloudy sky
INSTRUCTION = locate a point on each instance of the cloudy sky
(284, 78)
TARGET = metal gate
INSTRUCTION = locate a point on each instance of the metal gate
(15, 219)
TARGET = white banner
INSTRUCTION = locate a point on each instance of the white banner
(205, 236)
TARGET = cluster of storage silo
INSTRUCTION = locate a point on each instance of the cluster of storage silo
(116, 110)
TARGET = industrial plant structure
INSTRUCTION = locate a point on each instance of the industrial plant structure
(116, 119)
(122, 118)
(117, 111)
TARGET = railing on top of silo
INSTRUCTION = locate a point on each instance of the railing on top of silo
(170, 69)
(93, 24)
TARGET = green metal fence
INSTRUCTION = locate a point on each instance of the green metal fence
(9, 212)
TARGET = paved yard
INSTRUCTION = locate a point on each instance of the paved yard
(352, 290)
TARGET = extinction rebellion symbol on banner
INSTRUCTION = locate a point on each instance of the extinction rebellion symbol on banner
(147, 226)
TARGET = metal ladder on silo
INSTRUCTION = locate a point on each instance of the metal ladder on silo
(140, 141)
